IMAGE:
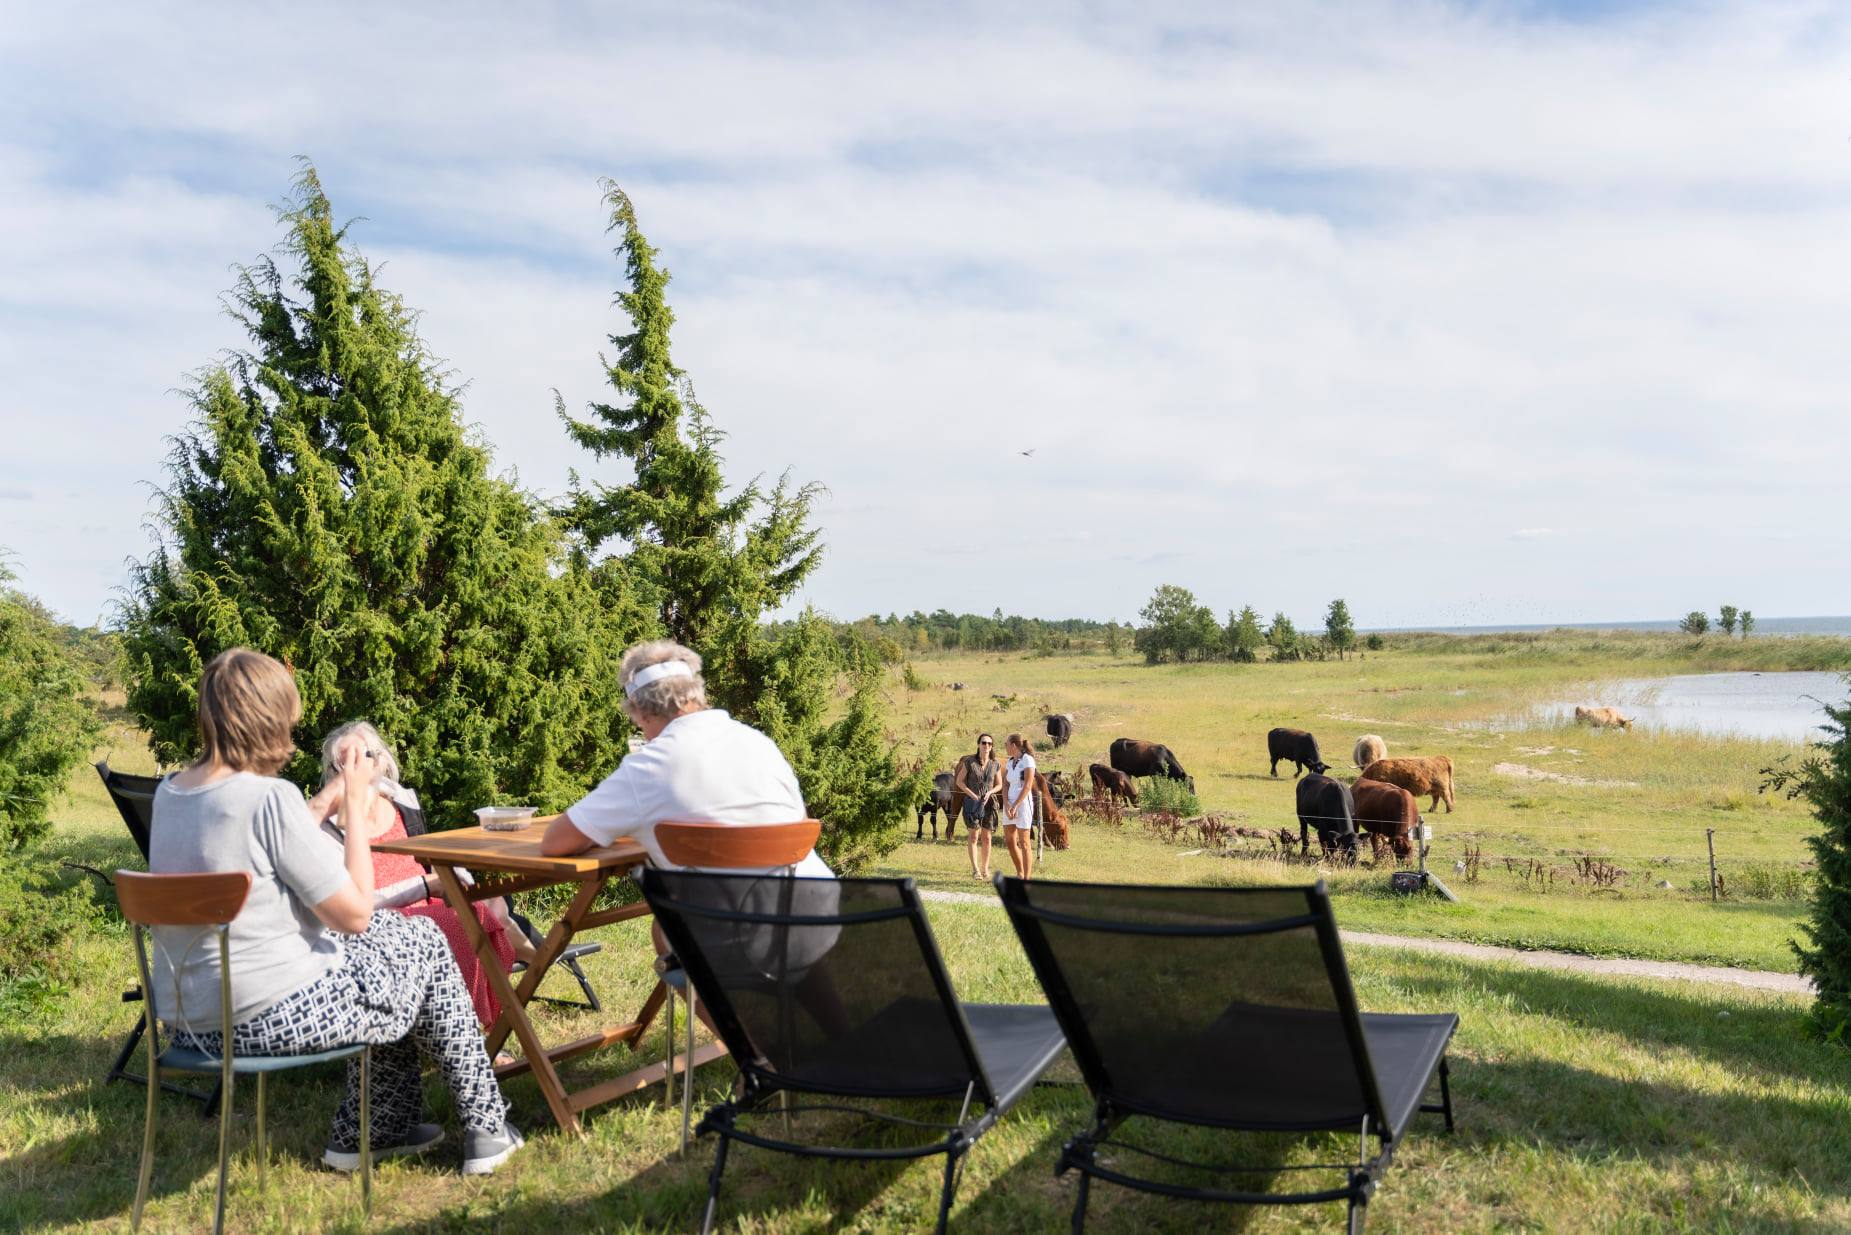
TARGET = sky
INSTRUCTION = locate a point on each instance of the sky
(1465, 313)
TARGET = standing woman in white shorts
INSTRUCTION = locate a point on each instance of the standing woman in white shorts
(1019, 815)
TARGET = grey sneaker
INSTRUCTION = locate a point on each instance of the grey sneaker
(484, 1151)
(420, 1138)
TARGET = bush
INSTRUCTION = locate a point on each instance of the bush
(914, 679)
(39, 920)
(46, 725)
(1160, 793)
(1823, 778)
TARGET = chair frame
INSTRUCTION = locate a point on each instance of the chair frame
(746, 846)
(121, 794)
(1081, 1152)
(211, 901)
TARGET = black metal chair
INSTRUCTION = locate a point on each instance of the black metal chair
(133, 796)
(836, 988)
(415, 825)
(1223, 1008)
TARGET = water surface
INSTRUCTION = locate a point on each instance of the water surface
(1783, 706)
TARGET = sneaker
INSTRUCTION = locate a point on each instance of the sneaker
(484, 1151)
(420, 1138)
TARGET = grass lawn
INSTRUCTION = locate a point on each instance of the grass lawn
(1641, 801)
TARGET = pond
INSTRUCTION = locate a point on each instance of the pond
(1781, 706)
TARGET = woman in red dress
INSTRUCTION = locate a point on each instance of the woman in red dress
(399, 882)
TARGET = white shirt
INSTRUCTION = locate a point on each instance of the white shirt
(705, 767)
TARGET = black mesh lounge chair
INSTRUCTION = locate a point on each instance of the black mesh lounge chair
(836, 988)
(133, 796)
(1224, 1008)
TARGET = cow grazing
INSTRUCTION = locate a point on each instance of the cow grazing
(1326, 807)
(1369, 748)
(1060, 728)
(1389, 814)
(1135, 758)
(1113, 782)
(1603, 718)
(1294, 744)
(1422, 776)
(943, 797)
(1053, 822)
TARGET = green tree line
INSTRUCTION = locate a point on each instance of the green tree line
(1178, 628)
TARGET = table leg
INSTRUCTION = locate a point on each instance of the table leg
(549, 951)
(513, 1003)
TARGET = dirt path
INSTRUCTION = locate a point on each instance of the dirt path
(1570, 962)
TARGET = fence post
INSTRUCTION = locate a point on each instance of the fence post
(1710, 835)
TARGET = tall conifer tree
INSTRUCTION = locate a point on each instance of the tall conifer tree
(327, 507)
(711, 568)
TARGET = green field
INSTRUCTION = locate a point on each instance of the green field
(1543, 798)
(1584, 1103)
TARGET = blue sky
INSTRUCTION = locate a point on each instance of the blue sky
(1488, 313)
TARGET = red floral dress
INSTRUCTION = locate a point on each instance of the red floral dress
(390, 868)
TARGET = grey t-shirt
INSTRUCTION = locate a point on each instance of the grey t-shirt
(253, 823)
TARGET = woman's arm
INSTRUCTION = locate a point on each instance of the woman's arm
(357, 798)
(321, 806)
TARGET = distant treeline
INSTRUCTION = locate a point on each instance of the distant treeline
(897, 637)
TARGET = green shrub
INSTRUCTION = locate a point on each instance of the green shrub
(1162, 793)
(914, 679)
(1763, 881)
(1823, 779)
(40, 918)
(47, 726)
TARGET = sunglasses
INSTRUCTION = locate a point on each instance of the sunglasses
(986, 742)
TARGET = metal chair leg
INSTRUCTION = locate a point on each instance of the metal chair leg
(713, 1185)
(263, 1142)
(366, 1132)
(147, 1138)
(1079, 1203)
(225, 1105)
(687, 1077)
(950, 1188)
(668, 1081)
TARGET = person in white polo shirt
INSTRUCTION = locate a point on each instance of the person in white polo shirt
(698, 765)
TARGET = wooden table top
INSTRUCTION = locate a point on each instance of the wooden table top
(515, 852)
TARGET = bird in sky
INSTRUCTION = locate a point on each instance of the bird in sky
(1027, 453)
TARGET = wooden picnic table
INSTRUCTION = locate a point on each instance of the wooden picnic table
(506, 862)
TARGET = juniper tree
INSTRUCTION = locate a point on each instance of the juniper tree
(1696, 622)
(1747, 621)
(46, 726)
(327, 507)
(1823, 778)
(1726, 617)
(710, 567)
(1244, 638)
(1283, 637)
(1339, 627)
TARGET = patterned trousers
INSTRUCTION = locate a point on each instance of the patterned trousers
(396, 988)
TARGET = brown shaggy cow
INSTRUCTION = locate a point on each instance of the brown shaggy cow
(1603, 718)
(1420, 775)
(1388, 813)
(1053, 823)
(1114, 782)
(1369, 748)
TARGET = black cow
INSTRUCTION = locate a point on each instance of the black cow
(1114, 782)
(1135, 758)
(1325, 806)
(1294, 744)
(1057, 787)
(943, 798)
(1060, 729)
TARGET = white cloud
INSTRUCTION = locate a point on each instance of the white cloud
(1268, 290)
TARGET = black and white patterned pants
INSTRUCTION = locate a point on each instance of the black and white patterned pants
(397, 988)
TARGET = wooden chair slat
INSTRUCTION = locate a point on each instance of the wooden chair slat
(204, 899)
(734, 846)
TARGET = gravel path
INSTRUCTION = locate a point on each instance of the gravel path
(1756, 979)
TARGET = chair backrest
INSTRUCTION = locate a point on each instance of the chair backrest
(737, 846)
(134, 799)
(823, 985)
(212, 899)
(1230, 1007)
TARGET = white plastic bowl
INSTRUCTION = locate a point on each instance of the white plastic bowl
(504, 818)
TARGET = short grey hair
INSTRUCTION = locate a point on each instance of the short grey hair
(385, 767)
(664, 697)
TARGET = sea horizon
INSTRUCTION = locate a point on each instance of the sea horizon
(1822, 625)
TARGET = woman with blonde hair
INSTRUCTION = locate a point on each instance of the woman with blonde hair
(316, 968)
(1019, 804)
(398, 881)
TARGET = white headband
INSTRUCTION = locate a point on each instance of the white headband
(655, 673)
